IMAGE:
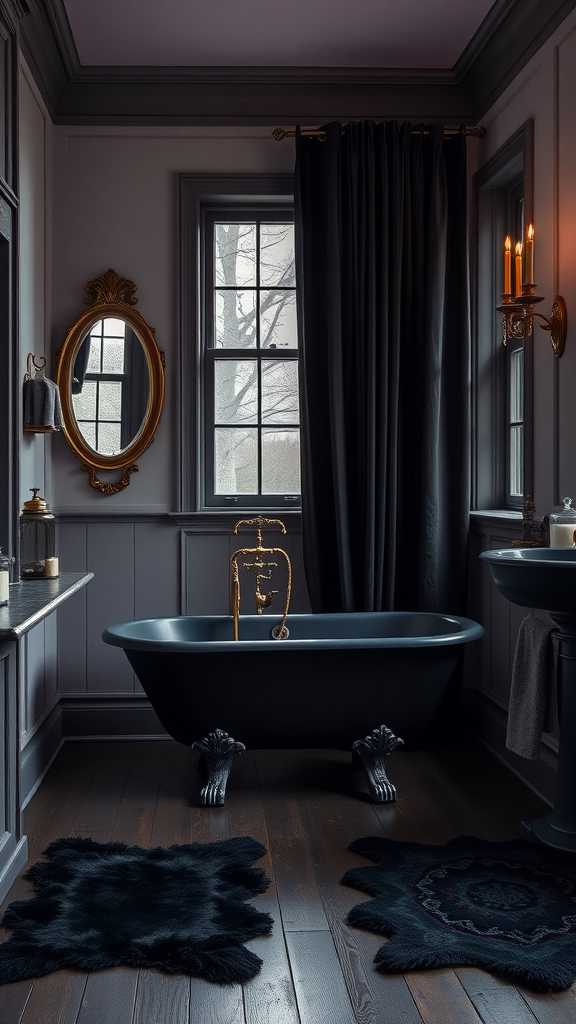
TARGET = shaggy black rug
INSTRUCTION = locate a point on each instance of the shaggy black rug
(509, 908)
(180, 909)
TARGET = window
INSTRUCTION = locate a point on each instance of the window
(514, 444)
(502, 414)
(108, 412)
(239, 351)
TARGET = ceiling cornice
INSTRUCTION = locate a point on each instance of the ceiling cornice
(507, 38)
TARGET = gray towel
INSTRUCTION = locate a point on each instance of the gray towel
(533, 693)
(42, 409)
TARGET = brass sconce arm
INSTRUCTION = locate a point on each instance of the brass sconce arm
(518, 314)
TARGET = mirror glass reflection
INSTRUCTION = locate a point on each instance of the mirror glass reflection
(110, 386)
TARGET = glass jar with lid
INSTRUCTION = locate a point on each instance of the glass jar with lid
(4, 578)
(37, 537)
(563, 526)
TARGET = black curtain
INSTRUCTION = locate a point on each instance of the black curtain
(381, 261)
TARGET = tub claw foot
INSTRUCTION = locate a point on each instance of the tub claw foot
(217, 750)
(372, 751)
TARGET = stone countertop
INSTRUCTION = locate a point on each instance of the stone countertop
(32, 600)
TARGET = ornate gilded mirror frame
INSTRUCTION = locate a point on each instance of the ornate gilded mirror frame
(110, 296)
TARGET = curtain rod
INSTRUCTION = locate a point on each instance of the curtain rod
(477, 132)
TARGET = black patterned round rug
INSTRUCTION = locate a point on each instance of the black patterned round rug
(509, 908)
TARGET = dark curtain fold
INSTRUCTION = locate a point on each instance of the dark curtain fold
(381, 262)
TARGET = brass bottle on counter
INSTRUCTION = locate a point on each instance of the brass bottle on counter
(37, 538)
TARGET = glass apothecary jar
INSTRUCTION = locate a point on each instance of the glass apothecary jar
(5, 563)
(563, 526)
(37, 538)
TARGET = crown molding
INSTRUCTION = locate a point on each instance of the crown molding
(509, 35)
(512, 32)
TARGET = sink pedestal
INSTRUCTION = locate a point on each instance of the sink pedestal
(558, 829)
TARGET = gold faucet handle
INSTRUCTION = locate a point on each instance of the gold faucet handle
(259, 522)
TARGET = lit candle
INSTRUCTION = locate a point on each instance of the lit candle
(530, 255)
(51, 567)
(518, 262)
(507, 266)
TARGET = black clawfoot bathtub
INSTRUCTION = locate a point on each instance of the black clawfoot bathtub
(327, 685)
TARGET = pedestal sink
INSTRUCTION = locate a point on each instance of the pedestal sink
(546, 578)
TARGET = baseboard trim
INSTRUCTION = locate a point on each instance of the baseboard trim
(14, 866)
(487, 721)
(38, 753)
(127, 716)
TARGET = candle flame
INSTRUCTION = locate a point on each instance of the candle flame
(518, 248)
(508, 244)
(531, 232)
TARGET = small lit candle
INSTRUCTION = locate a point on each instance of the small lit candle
(507, 266)
(518, 262)
(530, 255)
(51, 567)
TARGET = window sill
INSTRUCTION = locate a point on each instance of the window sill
(224, 520)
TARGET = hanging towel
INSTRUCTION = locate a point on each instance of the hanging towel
(42, 408)
(533, 693)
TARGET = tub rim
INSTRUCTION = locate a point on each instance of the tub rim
(117, 636)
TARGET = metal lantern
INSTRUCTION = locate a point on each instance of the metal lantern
(37, 538)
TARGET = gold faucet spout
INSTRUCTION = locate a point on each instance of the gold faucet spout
(263, 600)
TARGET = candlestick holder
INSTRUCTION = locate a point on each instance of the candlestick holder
(518, 315)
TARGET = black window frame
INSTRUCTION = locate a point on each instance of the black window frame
(198, 194)
(495, 214)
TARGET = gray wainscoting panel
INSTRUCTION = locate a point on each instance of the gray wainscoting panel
(156, 569)
(72, 616)
(110, 549)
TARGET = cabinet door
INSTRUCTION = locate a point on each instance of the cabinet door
(13, 850)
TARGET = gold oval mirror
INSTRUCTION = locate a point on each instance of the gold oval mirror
(111, 380)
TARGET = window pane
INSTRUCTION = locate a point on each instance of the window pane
(84, 404)
(93, 365)
(516, 460)
(109, 400)
(109, 438)
(235, 254)
(277, 255)
(113, 327)
(236, 391)
(517, 385)
(279, 391)
(88, 431)
(235, 460)
(113, 355)
(278, 319)
(280, 461)
(235, 319)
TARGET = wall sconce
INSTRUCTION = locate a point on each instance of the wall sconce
(518, 308)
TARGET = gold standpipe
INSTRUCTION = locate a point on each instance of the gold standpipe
(263, 600)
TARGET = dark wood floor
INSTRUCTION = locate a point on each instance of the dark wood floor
(305, 807)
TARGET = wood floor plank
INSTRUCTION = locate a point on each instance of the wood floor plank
(318, 981)
(162, 997)
(553, 1008)
(439, 997)
(56, 998)
(13, 1000)
(300, 901)
(496, 1001)
(269, 998)
(100, 806)
(215, 1004)
(109, 997)
(332, 822)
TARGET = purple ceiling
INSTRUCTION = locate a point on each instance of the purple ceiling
(268, 33)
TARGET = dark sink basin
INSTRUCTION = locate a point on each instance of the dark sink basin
(536, 577)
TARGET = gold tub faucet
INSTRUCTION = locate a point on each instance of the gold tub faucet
(263, 600)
